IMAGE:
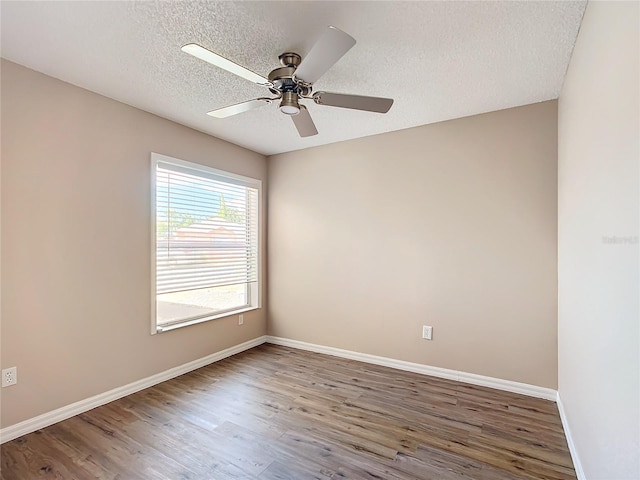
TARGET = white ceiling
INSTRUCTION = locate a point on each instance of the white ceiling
(438, 60)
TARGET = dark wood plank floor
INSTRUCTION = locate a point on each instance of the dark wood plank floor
(280, 413)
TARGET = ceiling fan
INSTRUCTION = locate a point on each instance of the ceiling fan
(294, 81)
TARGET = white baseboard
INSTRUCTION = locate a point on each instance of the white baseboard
(68, 411)
(55, 416)
(472, 378)
(572, 447)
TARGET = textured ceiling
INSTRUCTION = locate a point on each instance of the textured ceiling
(438, 60)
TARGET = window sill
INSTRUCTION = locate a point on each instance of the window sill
(195, 321)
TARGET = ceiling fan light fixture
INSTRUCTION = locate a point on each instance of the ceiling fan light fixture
(289, 104)
(289, 109)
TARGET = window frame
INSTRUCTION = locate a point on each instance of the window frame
(254, 294)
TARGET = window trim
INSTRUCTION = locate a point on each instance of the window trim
(255, 293)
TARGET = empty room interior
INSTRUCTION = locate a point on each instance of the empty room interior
(430, 270)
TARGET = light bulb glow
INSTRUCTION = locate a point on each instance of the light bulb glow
(289, 109)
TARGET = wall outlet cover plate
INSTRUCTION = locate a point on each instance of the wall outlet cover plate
(427, 332)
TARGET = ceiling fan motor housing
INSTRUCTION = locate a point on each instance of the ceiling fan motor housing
(282, 78)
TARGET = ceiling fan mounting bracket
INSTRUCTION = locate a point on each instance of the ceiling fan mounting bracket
(290, 59)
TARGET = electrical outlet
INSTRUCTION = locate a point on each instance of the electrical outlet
(240, 319)
(9, 376)
(427, 332)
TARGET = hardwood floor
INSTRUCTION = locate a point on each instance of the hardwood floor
(280, 413)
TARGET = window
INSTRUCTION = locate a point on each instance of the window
(205, 243)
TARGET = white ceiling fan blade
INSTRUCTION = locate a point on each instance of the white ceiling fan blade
(329, 48)
(215, 59)
(355, 102)
(239, 108)
(304, 123)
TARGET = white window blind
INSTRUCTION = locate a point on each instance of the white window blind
(206, 235)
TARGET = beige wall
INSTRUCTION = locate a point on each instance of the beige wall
(451, 225)
(598, 155)
(76, 243)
